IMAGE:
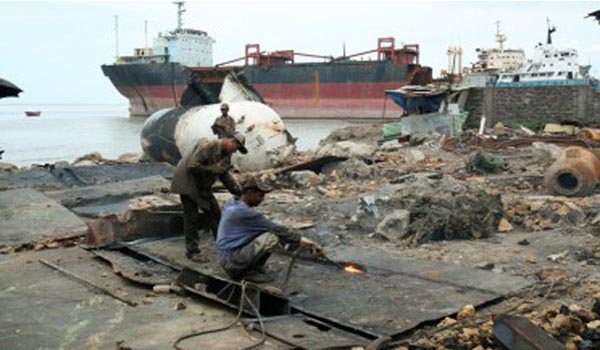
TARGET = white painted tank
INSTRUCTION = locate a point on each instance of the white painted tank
(266, 137)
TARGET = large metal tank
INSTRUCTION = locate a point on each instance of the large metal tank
(168, 133)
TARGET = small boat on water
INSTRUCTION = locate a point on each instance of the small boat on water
(33, 113)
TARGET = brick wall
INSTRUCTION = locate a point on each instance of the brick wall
(533, 106)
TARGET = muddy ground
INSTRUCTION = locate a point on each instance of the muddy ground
(426, 199)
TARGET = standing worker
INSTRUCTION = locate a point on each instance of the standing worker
(224, 125)
(194, 177)
(246, 238)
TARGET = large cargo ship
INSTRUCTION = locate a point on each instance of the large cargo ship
(342, 87)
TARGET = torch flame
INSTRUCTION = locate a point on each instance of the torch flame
(352, 268)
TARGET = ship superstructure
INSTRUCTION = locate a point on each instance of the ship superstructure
(498, 59)
(492, 62)
(188, 47)
(548, 65)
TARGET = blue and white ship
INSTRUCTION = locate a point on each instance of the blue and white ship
(549, 66)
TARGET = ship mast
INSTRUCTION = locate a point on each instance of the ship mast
(116, 37)
(180, 11)
(551, 29)
(500, 38)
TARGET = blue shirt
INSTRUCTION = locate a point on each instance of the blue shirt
(240, 224)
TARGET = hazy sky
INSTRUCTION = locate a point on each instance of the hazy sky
(53, 50)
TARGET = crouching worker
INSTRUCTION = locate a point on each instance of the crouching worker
(246, 238)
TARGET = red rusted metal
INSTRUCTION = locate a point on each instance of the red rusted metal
(575, 173)
(408, 54)
(252, 52)
(355, 55)
(590, 134)
(386, 50)
(312, 55)
(255, 57)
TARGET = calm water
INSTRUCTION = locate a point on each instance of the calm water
(65, 132)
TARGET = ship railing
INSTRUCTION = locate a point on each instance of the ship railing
(143, 59)
(572, 82)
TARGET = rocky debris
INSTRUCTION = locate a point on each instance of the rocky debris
(546, 152)
(7, 167)
(504, 226)
(360, 133)
(89, 159)
(485, 162)
(552, 128)
(390, 146)
(161, 288)
(441, 208)
(130, 158)
(590, 254)
(347, 149)
(304, 179)
(42, 245)
(394, 225)
(446, 322)
(466, 312)
(180, 306)
(571, 326)
(95, 158)
(96, 200)
(62, 164)
(352, 169)
(162, 201)
(414, 155)
(539, 212)
(552, 275)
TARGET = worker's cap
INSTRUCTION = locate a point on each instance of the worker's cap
(241, 139)
(224, 106)
(256, 184)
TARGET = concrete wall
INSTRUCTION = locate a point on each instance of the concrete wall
(533, 106)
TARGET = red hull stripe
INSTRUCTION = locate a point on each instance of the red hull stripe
(290, 100)
(329, 90)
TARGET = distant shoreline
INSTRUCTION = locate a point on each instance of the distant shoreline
(65, 104)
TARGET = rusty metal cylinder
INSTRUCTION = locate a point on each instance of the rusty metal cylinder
(575, 173)
(589, 134)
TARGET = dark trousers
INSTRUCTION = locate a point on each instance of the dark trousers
(252, 256)
(192, 220)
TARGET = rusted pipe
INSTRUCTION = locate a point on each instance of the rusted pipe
(575, 173)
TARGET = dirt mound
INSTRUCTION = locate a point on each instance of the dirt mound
(440, 208)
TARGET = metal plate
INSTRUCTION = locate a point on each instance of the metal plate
(451, 274)
(382, 302)
(307, 333)
(29, 216)
(376, 303)
(141, 271)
